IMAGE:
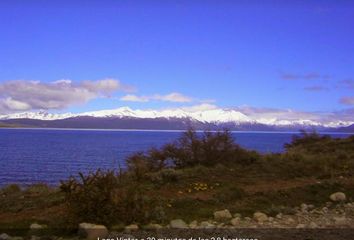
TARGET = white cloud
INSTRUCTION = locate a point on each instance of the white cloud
(200, 107)
(274, 113)
(15, 105)
(22, 95)
(172, 97)
(347, 100)
(134, 98)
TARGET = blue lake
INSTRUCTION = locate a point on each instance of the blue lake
(50, 155)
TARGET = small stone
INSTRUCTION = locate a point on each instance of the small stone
(260, 217)
(235, 221)
(222, 215)
(207, 225)
(237, 215)
(313, 225)
(340, 221)
(324, 210)
(310, 207)
(349, 205)
(153, 226)
(92, 231)
(37, 229)
(248, 219)
(178, 223)
(279, 216)
(221, 225)
(316, 211)
(193, 224)
(304, 207)
(290, 220)
(338, 197)
(4, 236)
(131, 228)
(36, 226)
(301, 225)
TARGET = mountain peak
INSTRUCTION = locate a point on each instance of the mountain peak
(212, 115)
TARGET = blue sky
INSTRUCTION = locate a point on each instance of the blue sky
(264, 54)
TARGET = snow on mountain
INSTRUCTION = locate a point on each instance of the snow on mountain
(207, 116)
(41, 115)
(215, 115)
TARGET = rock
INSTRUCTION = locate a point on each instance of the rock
(237, 215)
(317, 211)
(4, 236)
(349, 205)
(206, 224)
(310, 207)
(235, 221)
(36, 226)
(301, 225)
(37, 229)
(340, 221)
(222, 215)
(304, 207)
(193, 224)
(92, 231)
(260, 217)
(325, 210)
(290, 220)
(178, 223)
(279, 216)
(221, 225)
(131, 228)
(338, 197)
(313, 225)
(248, 219)
(153, 226)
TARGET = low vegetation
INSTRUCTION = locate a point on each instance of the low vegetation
(190, 179)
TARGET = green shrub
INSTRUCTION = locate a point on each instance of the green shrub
(107, 198)
(10, 189)
(192, 149)
(91, 198)
(37, 189)
(139, 164)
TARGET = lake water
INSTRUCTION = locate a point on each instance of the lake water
(50, 155)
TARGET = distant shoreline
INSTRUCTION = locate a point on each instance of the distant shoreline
(163, 130)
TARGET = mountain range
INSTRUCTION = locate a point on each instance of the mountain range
(172, 119)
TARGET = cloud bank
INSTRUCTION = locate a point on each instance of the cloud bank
(23, 95)
(347, 100)
(305, 76)
(172, 97)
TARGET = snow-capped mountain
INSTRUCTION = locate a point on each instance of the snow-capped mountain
(216, 116)
(206, 116)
